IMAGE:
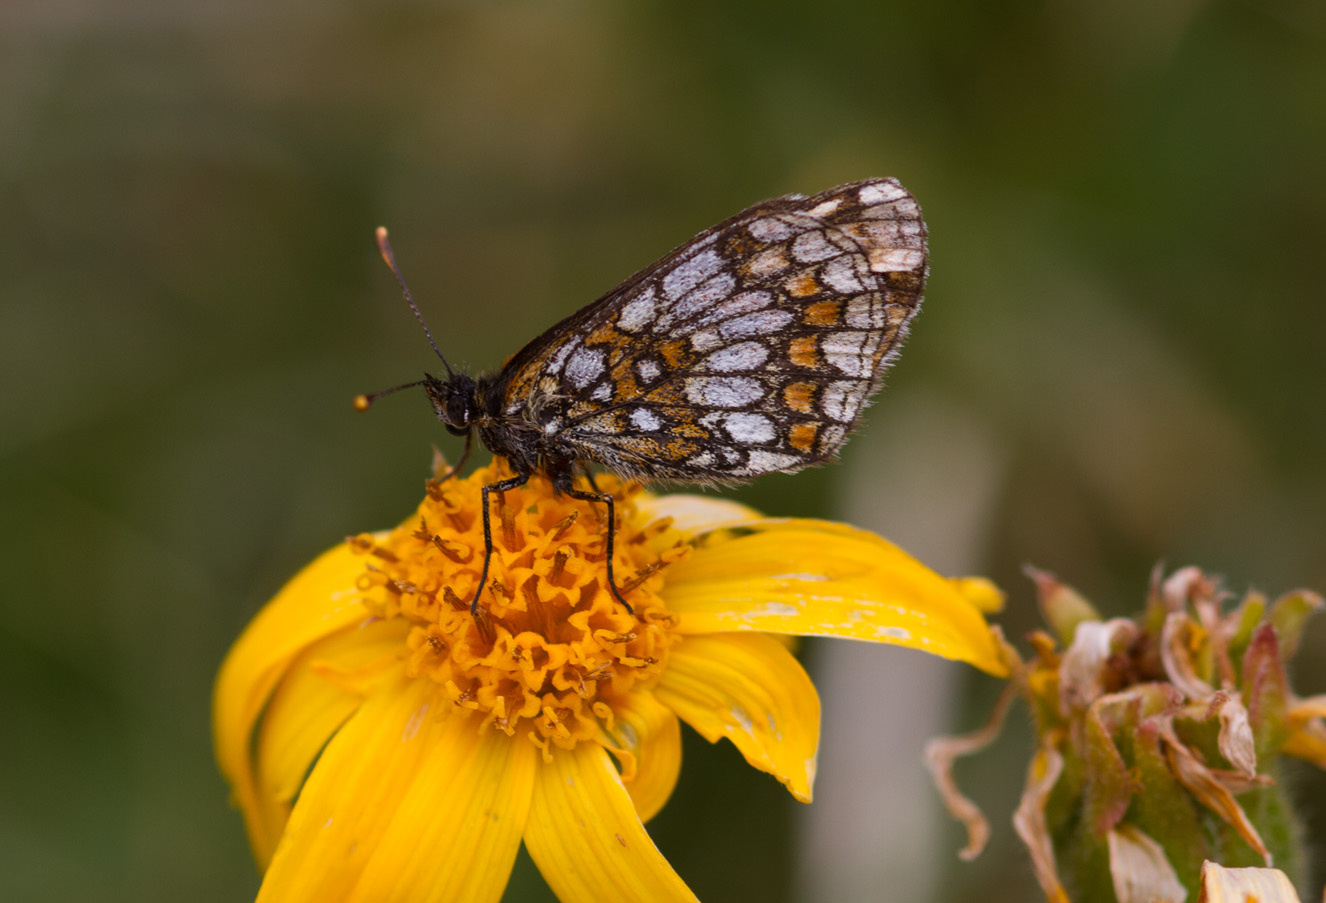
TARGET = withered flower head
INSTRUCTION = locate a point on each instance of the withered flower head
(1158, 740)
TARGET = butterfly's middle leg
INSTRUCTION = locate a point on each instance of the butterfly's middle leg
(564, 484)
(515, 482)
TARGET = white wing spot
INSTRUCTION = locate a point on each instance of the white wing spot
(881, 193)
(691, 273)
(638, 312)
(770, 229)
(559, 356)
(744, 303)
(841, 276)
(723, 391)
(648, 370)
(762, 322)
(841, 399)
(893, 260)
(830, 438)
(584, 367)
(697, 300)
(744, 356)
(748, 428)
(603, 392)
(768, 263)
(762, 461)
(705, 339)
(645, 420)
(811, 247)
(851, 352)
(866, 312)
(826, 208)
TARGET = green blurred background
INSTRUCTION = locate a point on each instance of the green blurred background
(1120, 360)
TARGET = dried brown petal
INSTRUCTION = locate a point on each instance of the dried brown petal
(1236, 742)
(1176, 656)
(1187, 585)
(1029, 819)
(1210, 791)
(1222, 885)
(940, 754)
(1083, 671)
(1139, 868)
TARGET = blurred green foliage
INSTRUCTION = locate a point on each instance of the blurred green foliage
(1127, 206)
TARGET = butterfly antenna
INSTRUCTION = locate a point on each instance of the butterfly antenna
(362, 402)
(384, 247)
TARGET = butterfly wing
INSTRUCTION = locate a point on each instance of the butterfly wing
(751, 348)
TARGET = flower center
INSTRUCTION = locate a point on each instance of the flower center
(548, 644)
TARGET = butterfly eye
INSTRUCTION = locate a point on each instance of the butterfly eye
(456, 414)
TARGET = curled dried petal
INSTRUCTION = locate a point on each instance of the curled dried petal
(1029, 819)
(1176, 656)
(1210, 791)
(940, 754)
(1082, 674)
(1236, 741)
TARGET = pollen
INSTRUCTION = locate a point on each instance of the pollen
(549, 651)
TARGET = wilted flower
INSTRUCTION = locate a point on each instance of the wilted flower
(384, 743)
(1158, 740)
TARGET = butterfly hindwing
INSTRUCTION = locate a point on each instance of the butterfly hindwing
(752, 348)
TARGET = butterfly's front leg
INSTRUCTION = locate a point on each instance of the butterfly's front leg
(500, 486)
(464, 456)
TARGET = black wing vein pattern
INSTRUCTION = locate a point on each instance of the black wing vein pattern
(752, 348)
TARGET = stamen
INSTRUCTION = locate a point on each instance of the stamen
(508, 517)
(565, 524)
(455, 601)
(642, 575)
(559, 564)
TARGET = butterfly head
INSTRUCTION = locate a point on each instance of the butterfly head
(454, 400)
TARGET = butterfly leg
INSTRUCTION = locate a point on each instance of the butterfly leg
(464, 456)
(605, 498)
(500, 486)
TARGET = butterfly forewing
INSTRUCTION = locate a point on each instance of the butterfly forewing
(752, 348)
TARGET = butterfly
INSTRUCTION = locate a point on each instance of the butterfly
(751, 348)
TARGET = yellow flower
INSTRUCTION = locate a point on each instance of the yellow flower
(384, 744)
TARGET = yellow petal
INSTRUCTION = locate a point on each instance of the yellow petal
(693, 513)
(585, 836)
(981, 592)
(319, 601)
(308, 705)
(817, 578)
(410, 801)
(646, 738)
(748, 687)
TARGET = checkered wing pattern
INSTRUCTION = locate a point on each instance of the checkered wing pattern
(752, 348)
